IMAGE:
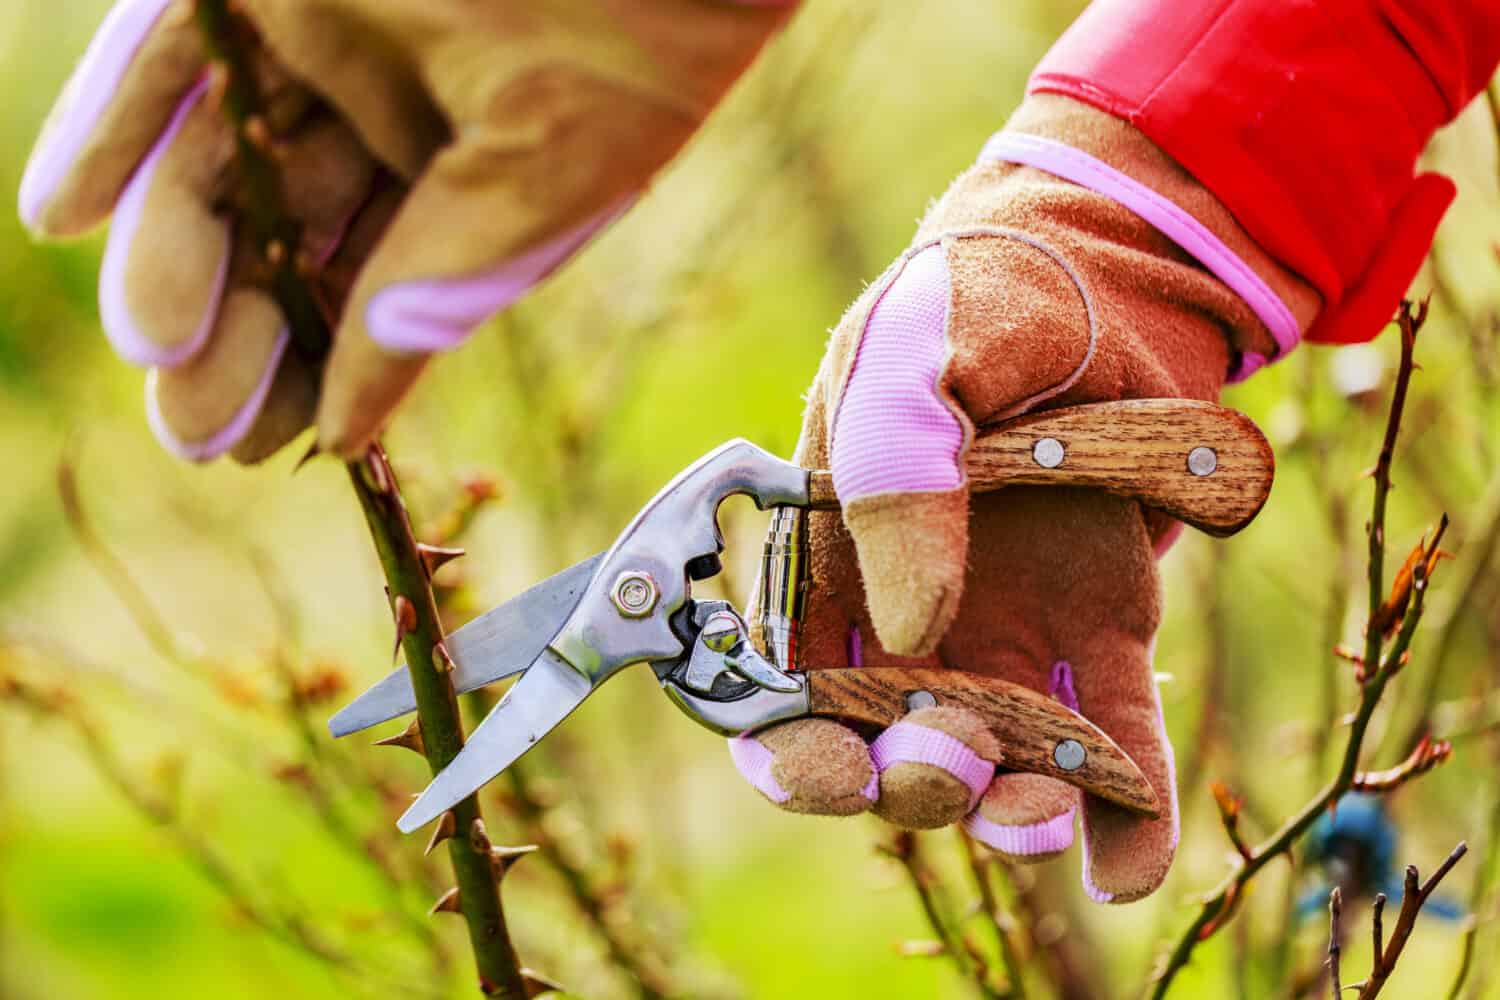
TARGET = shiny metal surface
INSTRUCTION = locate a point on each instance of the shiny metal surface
(635, 593)
(647, 568)
(1202, 461)
(546, 694)
(1048, 453)
(723, 646)
(1069, 755)
(920, 699)
(758, 709)
(783, 588)
(499, 643)
(679, 526)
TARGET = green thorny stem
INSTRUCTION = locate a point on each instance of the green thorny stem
(1378, 665)
(230, 42)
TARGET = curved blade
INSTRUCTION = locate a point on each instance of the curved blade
(497, 644)
(545, 695)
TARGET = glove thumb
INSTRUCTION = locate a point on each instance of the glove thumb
(896, 452)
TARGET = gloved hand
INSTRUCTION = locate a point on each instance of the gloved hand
(1021, 291)
(442, 155)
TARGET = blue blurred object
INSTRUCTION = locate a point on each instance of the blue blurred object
(1355, 847)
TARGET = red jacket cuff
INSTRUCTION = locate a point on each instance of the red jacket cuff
(1305, 119)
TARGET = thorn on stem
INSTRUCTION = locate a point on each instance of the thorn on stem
(1230, 806)
(304, 264)
(257, 133)
(448, 902)
(479, 837)
(379, 473)
(409, 738)
(503, 858)
(442, 659)
(312, 452)
(537, 984)
(445, 829)
(435, 557)
(406, 620)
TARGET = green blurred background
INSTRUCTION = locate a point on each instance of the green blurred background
(699, 317)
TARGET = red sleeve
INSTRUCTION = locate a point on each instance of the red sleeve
(1304, 117)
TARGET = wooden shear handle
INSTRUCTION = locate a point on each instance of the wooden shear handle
(1036, 733)
(1205, 465)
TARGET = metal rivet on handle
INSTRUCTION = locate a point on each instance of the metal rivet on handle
(635, 593)
(1069, 755)
(1202, 461)
(1048, 453)
(920, 699)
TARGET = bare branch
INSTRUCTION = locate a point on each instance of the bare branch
(1335, 940)
(1413, 896)
(1382, 659)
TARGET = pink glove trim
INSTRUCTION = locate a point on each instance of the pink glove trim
(114, 311)
(909, 743)
(1061, 685)
(893, 434)
(230, 434)
(94, 84)
(899, 435)
(1174, 223)
(1046, 837)
(752, 759)
(1090, 890)
(439, 314)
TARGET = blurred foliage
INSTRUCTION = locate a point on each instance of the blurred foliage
(241, 842)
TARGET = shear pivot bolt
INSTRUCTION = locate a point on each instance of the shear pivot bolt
(635, 594)
(1202, 461)
(1069, 755)
(1048, 453)
(920, 699)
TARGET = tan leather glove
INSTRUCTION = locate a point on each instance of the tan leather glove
(1021, 291)
(442, 155)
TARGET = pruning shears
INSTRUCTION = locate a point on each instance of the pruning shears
(1204, 464)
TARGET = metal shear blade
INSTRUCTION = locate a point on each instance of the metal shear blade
(547, 693)
(498, 644)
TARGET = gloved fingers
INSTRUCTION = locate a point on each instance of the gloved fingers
(327, 178)
(1126, 856)
(244, 389)
(205, 406)
(288, 411)
(553, 166)
(1082, 571)
(127, 87)
(1026, 817)
(808, 766)
(934, 764)
(166, 266)
(1062, 596)
(906, 506)
(167, 257)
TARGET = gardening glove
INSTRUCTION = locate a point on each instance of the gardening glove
(441, 157)
(1022, 291)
